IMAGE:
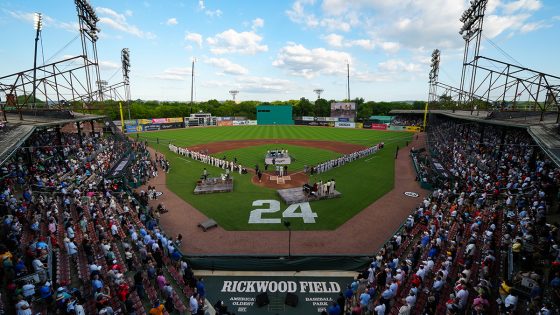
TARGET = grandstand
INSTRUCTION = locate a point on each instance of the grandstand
(81, 230)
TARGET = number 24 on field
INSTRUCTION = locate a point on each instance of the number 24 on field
(305, 212)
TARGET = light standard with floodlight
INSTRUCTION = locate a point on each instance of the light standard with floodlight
(318, 92)
(38, 23)
(125, 59)
(471, 31)
(233, 94)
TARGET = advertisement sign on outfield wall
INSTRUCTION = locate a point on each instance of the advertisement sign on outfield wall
(366, 125)
(129, 129)
(379, 126)
(359, 125)
(312, 123)
(412, 128)
(344, 119)
(396, 128)
(341, 124)
(307, 118)
(131, 122)
(244, 122)
(225, 122)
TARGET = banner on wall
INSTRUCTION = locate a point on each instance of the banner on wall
(129, 129)
(412, 128)
(159, 120)
(225, 122)
(340, 124)
(309, 295)
(144, 121)
(379, 126)
(244, 123)
(343, 119)
(131, 122)
(307, 118)
(312, 123)
(359, 125)
(366, 125)
(396, 128)
(332, 119)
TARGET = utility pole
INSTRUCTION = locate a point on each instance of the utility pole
(348, 78)
(192, 83)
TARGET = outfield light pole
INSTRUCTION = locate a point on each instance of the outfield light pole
(38, 19)
(288, 225)
(318, 92)
(233, 94)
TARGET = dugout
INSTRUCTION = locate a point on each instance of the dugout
(274, 115)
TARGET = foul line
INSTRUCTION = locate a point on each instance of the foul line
(185, 160)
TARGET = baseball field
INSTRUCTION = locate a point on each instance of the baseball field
(254, 206)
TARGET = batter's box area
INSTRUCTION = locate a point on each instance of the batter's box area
(280, 179)
(298, 195)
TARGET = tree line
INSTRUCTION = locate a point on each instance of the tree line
(303, 107)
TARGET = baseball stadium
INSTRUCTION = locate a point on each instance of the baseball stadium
(115, 204)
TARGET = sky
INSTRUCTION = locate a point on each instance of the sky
(282, 49)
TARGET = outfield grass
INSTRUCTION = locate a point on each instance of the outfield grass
(301, 156)
(361, 182)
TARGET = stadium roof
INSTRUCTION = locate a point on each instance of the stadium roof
(18, 131)
(545, 132)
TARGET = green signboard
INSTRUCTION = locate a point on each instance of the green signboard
(280, 295)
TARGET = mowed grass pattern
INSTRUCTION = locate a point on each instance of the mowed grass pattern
(301, 156)
(361, 182)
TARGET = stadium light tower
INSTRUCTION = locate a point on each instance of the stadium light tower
(125, 59)
(318, 92)
(434, 73)
(233, 94)
(87, 20)
(38, 23)
(471, 31)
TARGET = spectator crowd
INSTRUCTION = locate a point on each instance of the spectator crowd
(76, 240)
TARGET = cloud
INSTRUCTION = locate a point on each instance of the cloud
(108, 65)
(214, 13)
(309, 63)
(257, 23)
(47, 20)
(128, 12)
(211, 13)
(194, 37)
(253, 84)
(398, 65)
(174, 74)
(231, 41)
(298, 15)
(172, 21)
(522, 5)
(336, 40)
(393, 25)
(226, 66)
(118, 22)
(495, 25)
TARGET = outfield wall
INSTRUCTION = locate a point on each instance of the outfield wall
(274, 115)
